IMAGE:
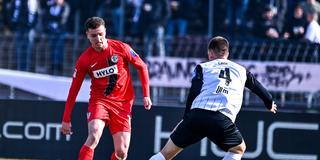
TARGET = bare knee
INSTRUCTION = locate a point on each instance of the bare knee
(93, 138)
(95, 129)
(239, 149)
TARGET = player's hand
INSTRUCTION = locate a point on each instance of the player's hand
(66, 128)
(273, 107)
(147, 103)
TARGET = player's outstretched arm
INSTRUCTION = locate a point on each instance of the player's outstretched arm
(257, 88)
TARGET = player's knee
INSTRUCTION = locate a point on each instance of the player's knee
(122, 148)
(243, 147)
(239, 149)
(93, 139)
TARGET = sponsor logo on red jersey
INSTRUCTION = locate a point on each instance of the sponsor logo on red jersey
(104, 72)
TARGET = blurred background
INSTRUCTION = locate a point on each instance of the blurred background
(47, 37)
(277, 40)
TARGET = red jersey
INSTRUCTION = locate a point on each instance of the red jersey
(109, 73)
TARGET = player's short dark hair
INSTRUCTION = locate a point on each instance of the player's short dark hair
(311, 11)
(93, 23)
(219, 45)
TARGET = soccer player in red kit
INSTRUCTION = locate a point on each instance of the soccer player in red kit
(111, 96)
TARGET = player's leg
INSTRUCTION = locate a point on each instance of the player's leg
(95, 129)
(121, 141)
(225, 134)
(169, 151)
(120, 129)
(183, 135)
(235, 153)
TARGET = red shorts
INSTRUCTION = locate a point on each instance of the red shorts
(117, 115)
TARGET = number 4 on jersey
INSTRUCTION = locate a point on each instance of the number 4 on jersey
(225, 74)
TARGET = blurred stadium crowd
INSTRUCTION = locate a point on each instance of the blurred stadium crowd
(47, 36)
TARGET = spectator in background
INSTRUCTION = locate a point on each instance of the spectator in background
(178, 22)
(116, 13)
(135, 17)
(57, 16)
(295, 26)
(23, 21)
(235, 16)
(253, 14)
(279, 7)
(257, 8)
(101, 10)
(310, 6)
(89, 9)
(313, 28)
(179, 18)
(5, 10)
(266, 27)
(155, 14)
(1, 15)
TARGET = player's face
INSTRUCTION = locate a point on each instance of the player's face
(211, 55)
(97, 38)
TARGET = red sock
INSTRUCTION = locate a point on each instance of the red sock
(86, 153)
(113, 156)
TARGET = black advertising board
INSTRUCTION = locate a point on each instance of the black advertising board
(30, 129)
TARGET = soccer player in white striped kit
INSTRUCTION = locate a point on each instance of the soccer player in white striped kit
(214, 100)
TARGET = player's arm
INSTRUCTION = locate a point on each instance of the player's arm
(257, 88)
(142, 68)
(195, 89)
(78, 77)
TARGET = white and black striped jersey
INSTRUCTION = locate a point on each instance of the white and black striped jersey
(218, 85)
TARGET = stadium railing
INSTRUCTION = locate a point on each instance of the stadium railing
(184, 47)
